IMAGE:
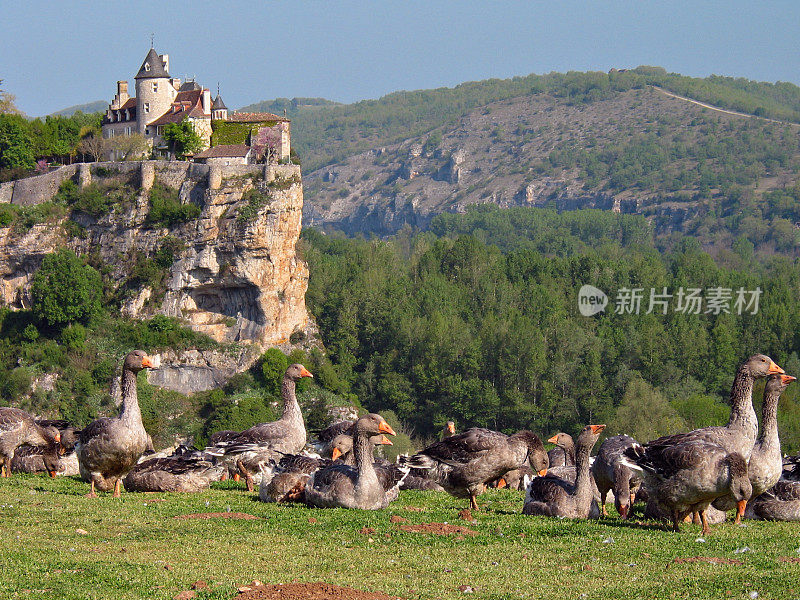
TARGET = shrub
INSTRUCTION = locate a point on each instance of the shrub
(74, 336)
(65, 289)
(273, 366)
(166, 209)
(30, 333)
(255, 201)
(165, 255)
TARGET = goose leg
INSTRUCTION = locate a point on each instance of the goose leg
(676, 521)
(247, 477)
(117, 488)
(603, 495)
(706, 529)
(473, 503)
(92, 493)
(740, 506)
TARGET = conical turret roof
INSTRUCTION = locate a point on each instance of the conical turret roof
(152, 67)
(219, 104)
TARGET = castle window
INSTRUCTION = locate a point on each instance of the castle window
(147, 107)
(147, 66)
(155, 86)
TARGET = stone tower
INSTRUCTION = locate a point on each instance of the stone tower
(154, 90)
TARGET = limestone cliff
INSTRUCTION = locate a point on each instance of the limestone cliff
(235, 274)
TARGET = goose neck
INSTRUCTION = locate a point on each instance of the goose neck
(291, 408)
(769, 419)
(743, 414)
(130, 414)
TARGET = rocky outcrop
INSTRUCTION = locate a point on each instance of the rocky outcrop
(235, 274)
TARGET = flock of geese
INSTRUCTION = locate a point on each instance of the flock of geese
(697, 475)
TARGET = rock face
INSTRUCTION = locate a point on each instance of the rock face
(235, 274)
(503, 153)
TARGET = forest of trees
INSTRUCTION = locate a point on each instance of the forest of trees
(477, 321)
(24, 141)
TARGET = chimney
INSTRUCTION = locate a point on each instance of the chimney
(206, 101)
(122, 94)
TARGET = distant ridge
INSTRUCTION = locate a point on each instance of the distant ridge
(89, 107)
(292, 106)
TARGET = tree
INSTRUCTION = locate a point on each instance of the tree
(182, 138)
(7, 105)
(65, 290)
(130, 147)
(16, 145)
(645, 414)
(92, 143)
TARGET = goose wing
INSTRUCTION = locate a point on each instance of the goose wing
(465, 447)
(11, 419)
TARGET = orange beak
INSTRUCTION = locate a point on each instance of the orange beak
(385, 428)
(306, 373)
(787, 378)
(542, 473)
(336, 453)
(451, 428)
(597, 428)
(58, 434)
(553, 439)
(385, 441)
(52, 474)
(774, 369)
(501, 483)
(147, 363)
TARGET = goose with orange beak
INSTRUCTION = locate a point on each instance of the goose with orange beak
(739, 435)
(361, 486)
(463, 464)
(109, 447)
(766, 462)
(261, 443)
(553, 496)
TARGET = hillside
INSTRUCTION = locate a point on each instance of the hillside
(87, 108)
(687, 168)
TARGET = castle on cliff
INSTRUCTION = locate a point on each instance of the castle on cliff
(228, 137)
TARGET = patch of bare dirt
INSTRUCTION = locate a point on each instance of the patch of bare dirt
(217, 515)
(397, 519)
(789, 559)
(307, 591)
(465, 514)
(438, 529)
(709, 559)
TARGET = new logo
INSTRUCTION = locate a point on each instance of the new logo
(591, 300)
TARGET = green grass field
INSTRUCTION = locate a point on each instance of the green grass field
(135, 548)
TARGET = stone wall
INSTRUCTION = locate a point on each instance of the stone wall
(38, 189)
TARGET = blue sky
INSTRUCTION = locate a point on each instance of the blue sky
(57, 54)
